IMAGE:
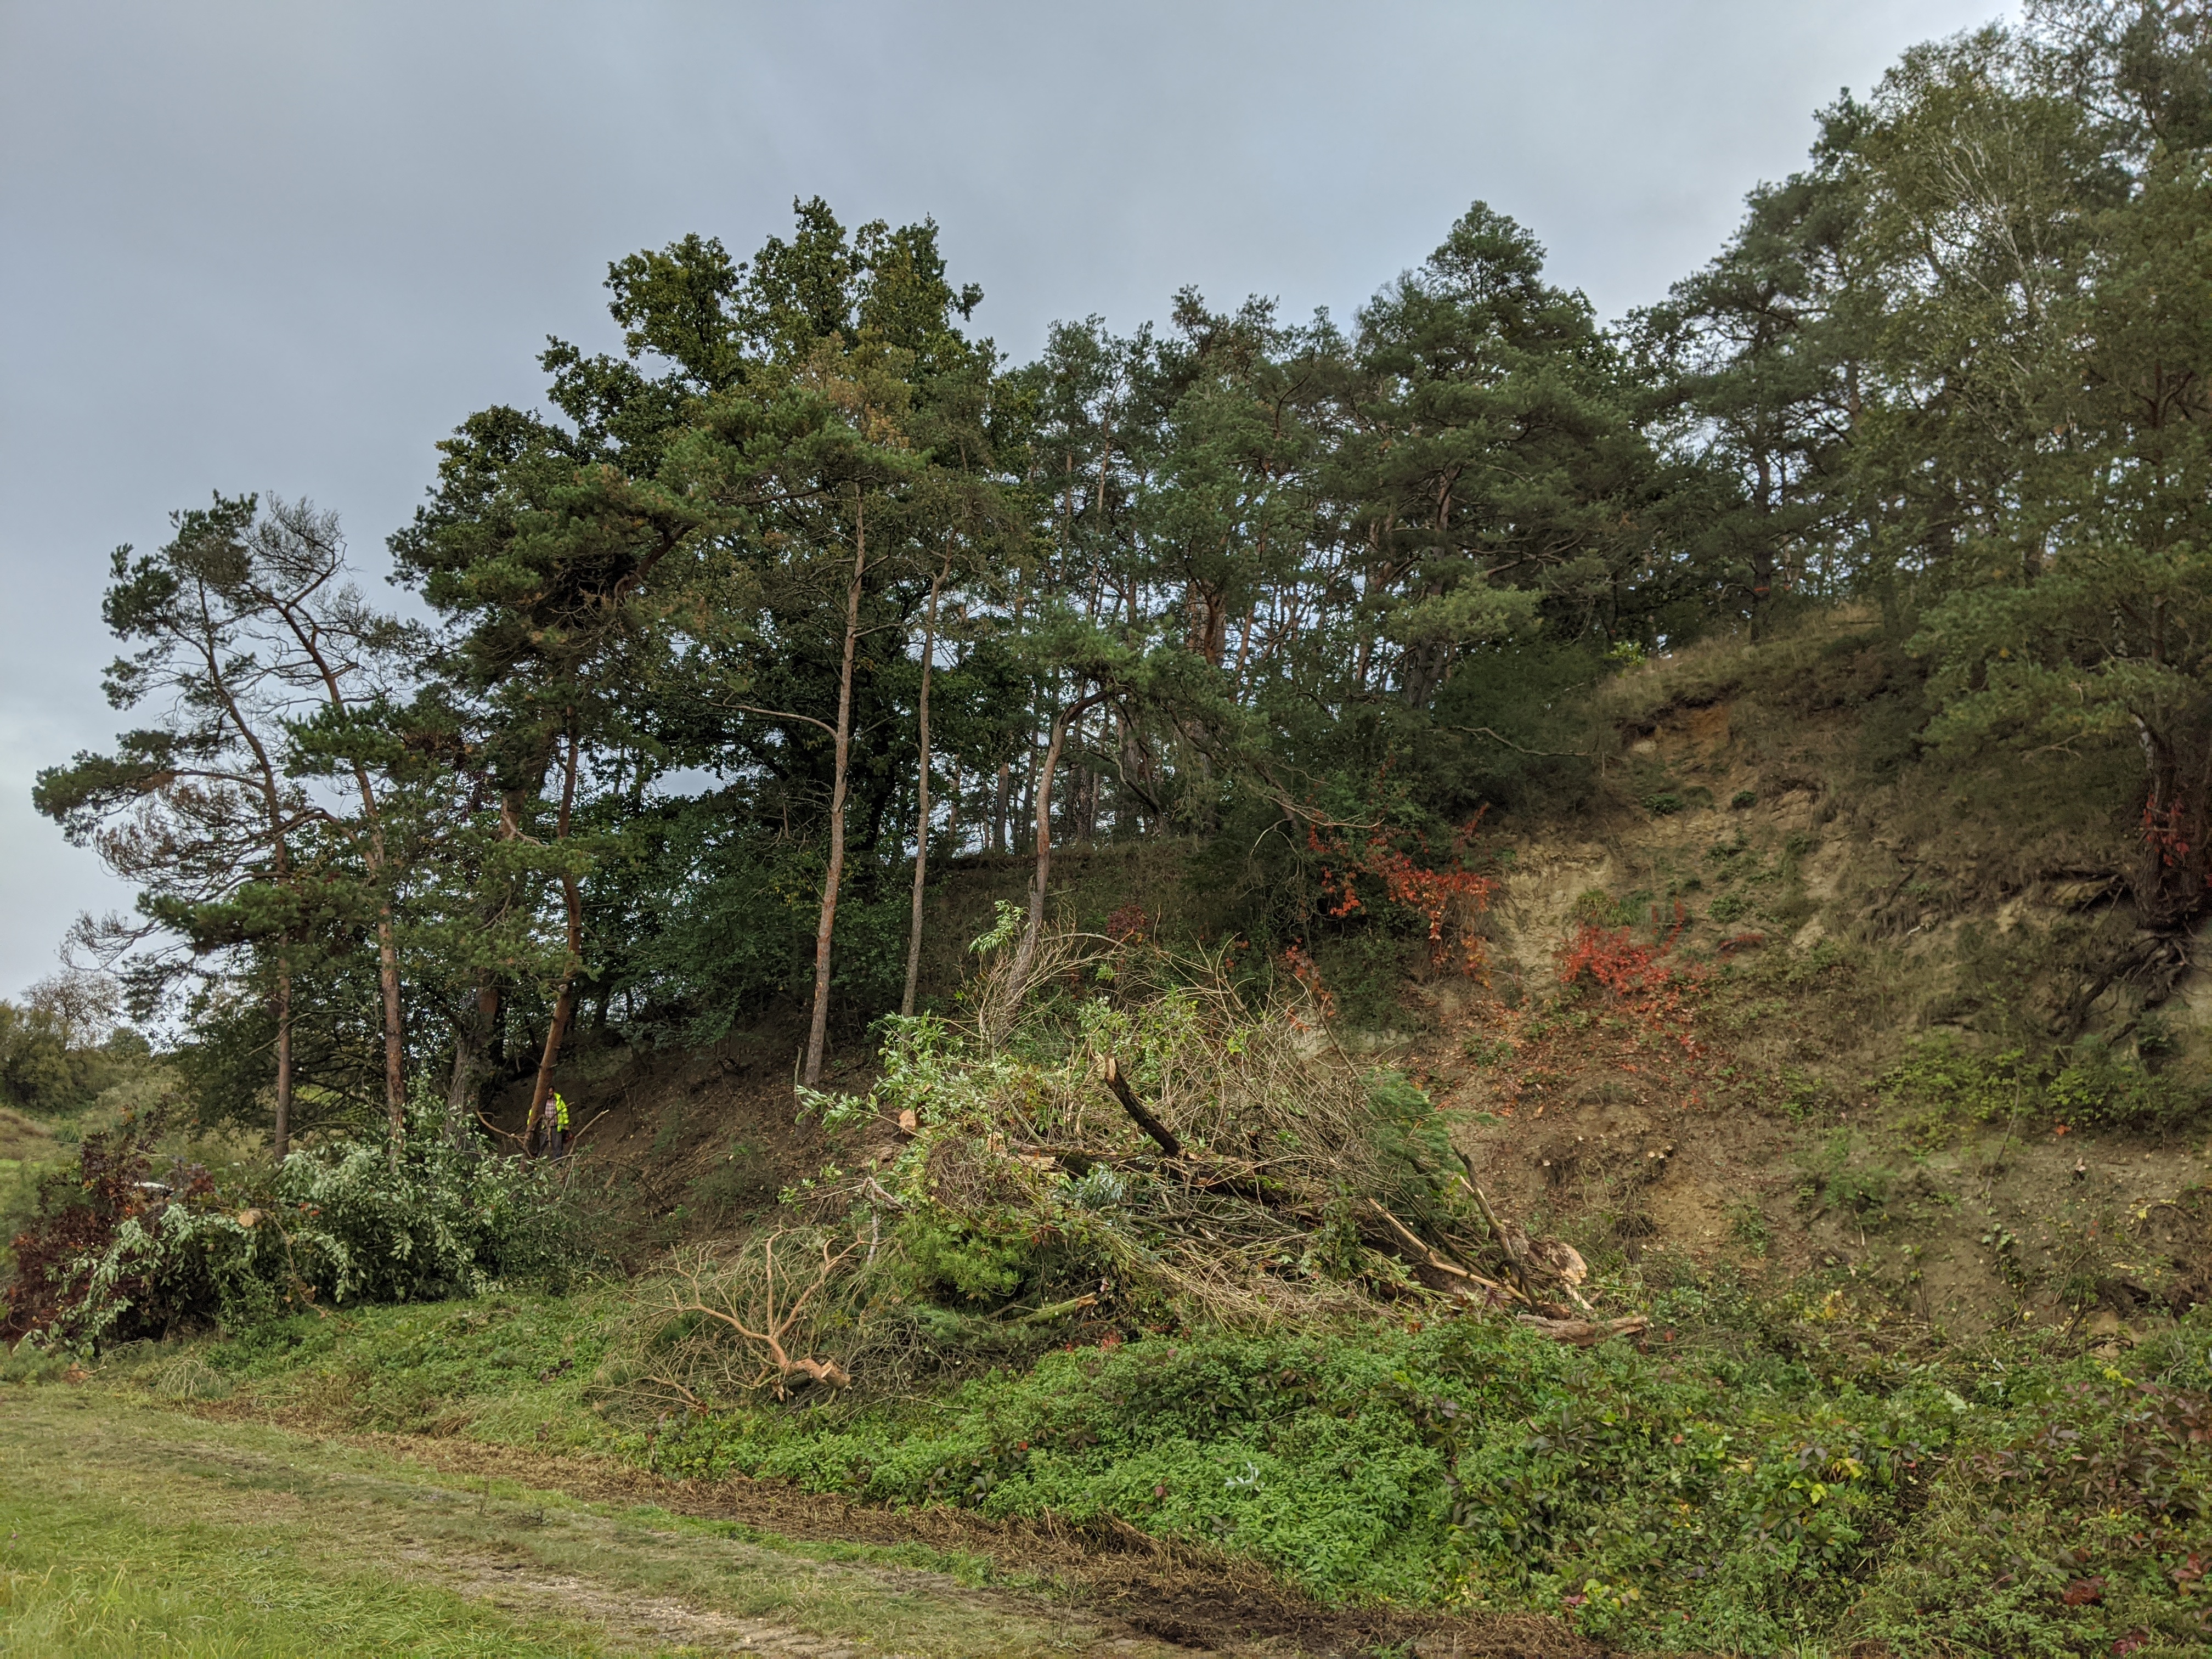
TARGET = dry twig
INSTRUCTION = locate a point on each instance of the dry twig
(776, 1324)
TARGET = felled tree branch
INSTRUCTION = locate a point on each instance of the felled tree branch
(1137, 1109)
(775, 1325)
(1433, 1266)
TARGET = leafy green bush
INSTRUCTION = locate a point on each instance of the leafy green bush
(1831, 1180)
(1727, 906)
(955, 1263)
(1468, 1463)
(1758, 1479)
(2088, 1083)
(115, 1254)
(1708, 1495)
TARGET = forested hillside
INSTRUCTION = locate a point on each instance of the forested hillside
(1398, 854)
(657, 760)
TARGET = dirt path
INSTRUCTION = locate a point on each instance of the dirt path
(635, 1579)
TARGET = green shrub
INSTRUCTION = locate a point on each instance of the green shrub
(115, 1253)
(1940, 1080)
(2098, 1086)
(2088, 1083)
(1831, 1180)
(1469, 1463)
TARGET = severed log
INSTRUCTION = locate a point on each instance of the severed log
(1562, 1263)
(1199, 1174)
(1545, 1258)
(1584, 1332)
(1161, 1135)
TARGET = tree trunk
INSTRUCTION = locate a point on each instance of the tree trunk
(921, 829)
(282, 1146)
(1026, 951)
(472, 1044)
(556, 1032)
(564, 1005)
(999, 835)
(818, 1027)
(1762, 551)
(328, 671)
(395, 1045)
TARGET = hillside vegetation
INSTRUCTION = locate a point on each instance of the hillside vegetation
(1469, 982)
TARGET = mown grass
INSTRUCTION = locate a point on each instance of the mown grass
(97, 1577)
(1768, 1477)
(132, 1530)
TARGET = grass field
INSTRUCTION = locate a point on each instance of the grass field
(131, 1530)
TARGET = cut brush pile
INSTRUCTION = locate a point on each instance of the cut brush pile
(1140, 1144)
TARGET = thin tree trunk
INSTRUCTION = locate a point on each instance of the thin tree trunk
(395, 1047)
(921, 832)
(818, 1027)
(282, 1146)
(1026, 951)
(572, 900)
(998, 806)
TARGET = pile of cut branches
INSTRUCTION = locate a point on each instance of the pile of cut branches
(1146, 1130)
(1142, 1142)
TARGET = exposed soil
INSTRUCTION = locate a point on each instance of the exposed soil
(1745, 1130)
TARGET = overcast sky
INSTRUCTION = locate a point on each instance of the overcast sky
(286, 246)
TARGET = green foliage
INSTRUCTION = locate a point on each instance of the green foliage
(2100, 1086)
(1759, 1480)
(1690, 1496)
(1832, 1179)
(115, 1254)
(1942, 1079)
(2086, 1083)
(953, 1263)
